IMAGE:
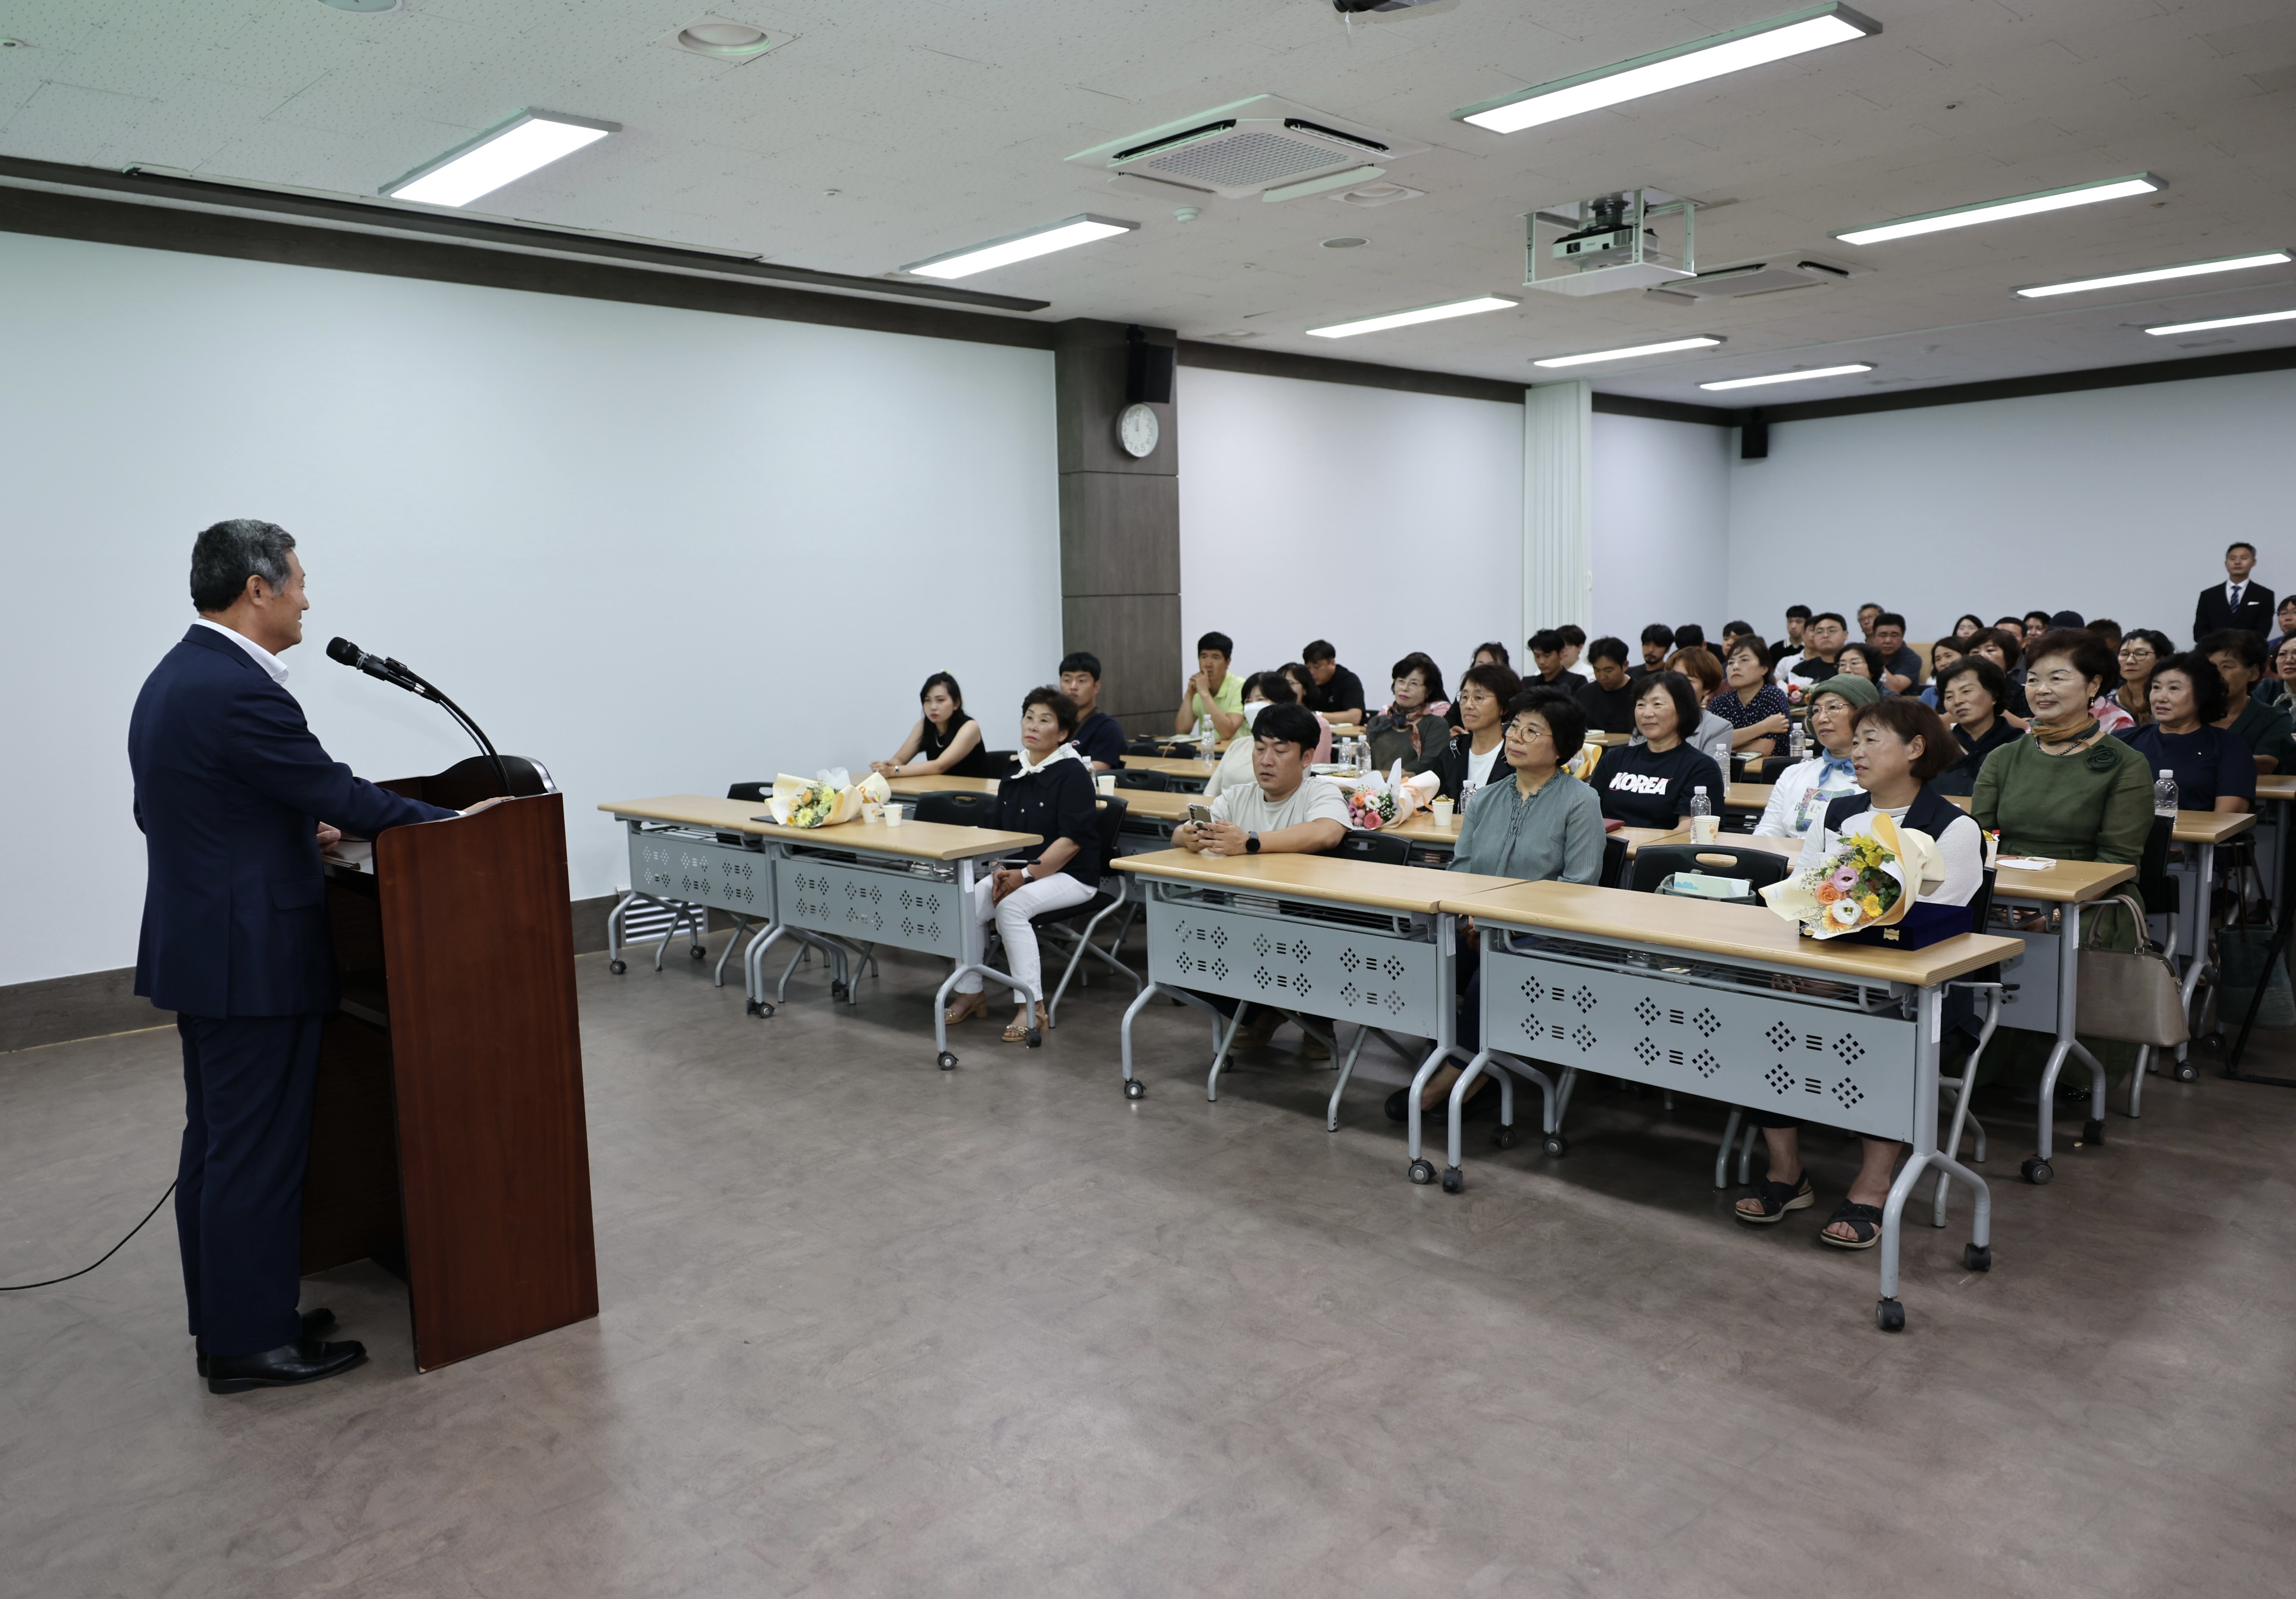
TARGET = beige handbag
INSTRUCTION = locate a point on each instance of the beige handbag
(2131, 994)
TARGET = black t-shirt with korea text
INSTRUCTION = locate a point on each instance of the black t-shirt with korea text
(1645, 790)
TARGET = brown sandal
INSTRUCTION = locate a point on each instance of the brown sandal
(1017, 1032)
(967, 1006)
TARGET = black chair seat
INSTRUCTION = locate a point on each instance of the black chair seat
(1155, 783)
(1381, 848)
(958, 808)
(1758, 868)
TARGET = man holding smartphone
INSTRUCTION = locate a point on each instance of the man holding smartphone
(1282, 810)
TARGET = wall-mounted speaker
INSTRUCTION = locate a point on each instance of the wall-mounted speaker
(1753, 436)
(1147, 370)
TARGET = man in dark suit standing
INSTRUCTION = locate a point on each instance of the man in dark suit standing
(231, 789)
(2237, 601)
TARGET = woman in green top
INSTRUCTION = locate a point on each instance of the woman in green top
(2239, 655)
(1545, 825)
(2070, 791)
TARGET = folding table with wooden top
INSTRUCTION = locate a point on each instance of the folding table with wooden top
(1730, 1002)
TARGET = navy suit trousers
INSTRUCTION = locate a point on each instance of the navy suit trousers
(239, 1189)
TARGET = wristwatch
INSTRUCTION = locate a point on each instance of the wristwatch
(1252, 843)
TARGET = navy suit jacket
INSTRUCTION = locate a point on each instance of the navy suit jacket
(230, 789)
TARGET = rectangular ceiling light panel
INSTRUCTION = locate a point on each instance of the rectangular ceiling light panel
(2001, 210)
(2272, 257)
(1021, 247)
(1702, 341)
(2223, 322)
(1754, 46)
(527, 142)
(1789, 377)
(1401, 319)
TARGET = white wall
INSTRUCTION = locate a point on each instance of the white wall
(1661, 525)
(1384, 521)
(660, 550)
(2112, 502)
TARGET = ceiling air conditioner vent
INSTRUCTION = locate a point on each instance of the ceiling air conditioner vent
(1264, 146)
(1750, 278)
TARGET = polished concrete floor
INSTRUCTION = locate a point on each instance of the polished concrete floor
(870, 1328)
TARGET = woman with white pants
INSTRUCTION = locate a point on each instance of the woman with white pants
(1049, 793)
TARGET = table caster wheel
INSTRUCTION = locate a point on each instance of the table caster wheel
(837, 990)
(1454, 1179)
(759, 1007)
(948, 1062)
(2092, 1132)
(1977, 1256)
(1134, 1088)
(1422, 1173)
(2037, 1171)
(1889, 1315)
(1502, 1137)
(1556, 1145)
(698, 953)
(618, 967)
(2187, 1072)
(1036, 1037)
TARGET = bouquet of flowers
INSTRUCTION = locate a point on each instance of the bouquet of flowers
(1872, 880)
(823, 800)
(1375, 802)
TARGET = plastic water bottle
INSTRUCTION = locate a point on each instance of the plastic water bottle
(1702, 825)
(1797, 742)
(2164, 794)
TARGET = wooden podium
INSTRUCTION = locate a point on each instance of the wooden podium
(447, 1138)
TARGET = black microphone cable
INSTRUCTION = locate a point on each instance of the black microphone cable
(107, 1254)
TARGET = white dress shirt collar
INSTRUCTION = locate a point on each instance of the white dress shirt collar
(257, 653)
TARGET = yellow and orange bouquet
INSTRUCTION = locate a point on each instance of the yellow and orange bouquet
(1871, 879)
(823, 800)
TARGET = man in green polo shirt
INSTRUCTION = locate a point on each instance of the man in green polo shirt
(1214, 689)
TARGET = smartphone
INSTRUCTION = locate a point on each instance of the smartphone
(1200, 815)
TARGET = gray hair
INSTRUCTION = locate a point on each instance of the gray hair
(227, 555)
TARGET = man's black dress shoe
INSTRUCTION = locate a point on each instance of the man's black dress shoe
(315, 1322)
(305, 1360)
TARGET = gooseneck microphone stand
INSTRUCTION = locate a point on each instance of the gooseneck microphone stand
(402, 676)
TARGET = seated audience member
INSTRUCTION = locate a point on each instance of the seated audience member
(1755, 708)
(2035, 623)
(2005, 649)
(1966, 626)
(1049, 793)
(2213, 768)
(1712, 738)
(1867, 618)
(2283, 698)
(2066, 619)
(1690, 636)
(2013, 625)
(2070, 791)
(2140, 650)
(1295, 673)
(1543, 826)
(2108, 630)
(945, 742)
(1546, 647)
(1650, 783)
(1797, 635)
(2238, 654)
(1282, 810)
(1901, 667)
(1863, 658)
(1732, 632)
(1334, 691)
(1574, 643)
(1411, 729)
(1236, 761)
(2284, 625)
(1609, 701)
(1496, 654)
(1942, 655)
(1822, 645)
(1971, 693)
(1214, 691)
(1658, 644)
(1805, 789)
(1098, 739)
(1471, 760)
(1899, 749)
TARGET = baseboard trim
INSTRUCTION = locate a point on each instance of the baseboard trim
(95, 1004)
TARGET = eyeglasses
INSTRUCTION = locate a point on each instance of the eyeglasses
(1529, 732)
(2128, 649)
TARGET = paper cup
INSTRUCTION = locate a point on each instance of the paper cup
(1442, 809)
(870, 811)
(1105, 782)
(1705, 830)
(896, 814)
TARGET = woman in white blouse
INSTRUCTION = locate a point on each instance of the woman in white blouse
(1898, 746)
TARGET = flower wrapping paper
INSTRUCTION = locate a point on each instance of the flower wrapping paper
(825, 799)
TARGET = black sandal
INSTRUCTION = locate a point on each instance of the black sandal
(1865, 1220)
(1776, 1199)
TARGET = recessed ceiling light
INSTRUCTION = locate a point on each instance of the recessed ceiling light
(528, 141)
(364, 5)
(1382, 193)
(1788, 377)
(1999, 211)
(2273, 257)
(1811, 28)
(722, 38)
(1701, 342)
(1404, 319)
(2223, 322)
(1019, 247)
(1344, 242)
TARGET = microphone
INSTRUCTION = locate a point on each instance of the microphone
(400, 675)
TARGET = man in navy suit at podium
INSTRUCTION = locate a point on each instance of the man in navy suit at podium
(235, 798)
